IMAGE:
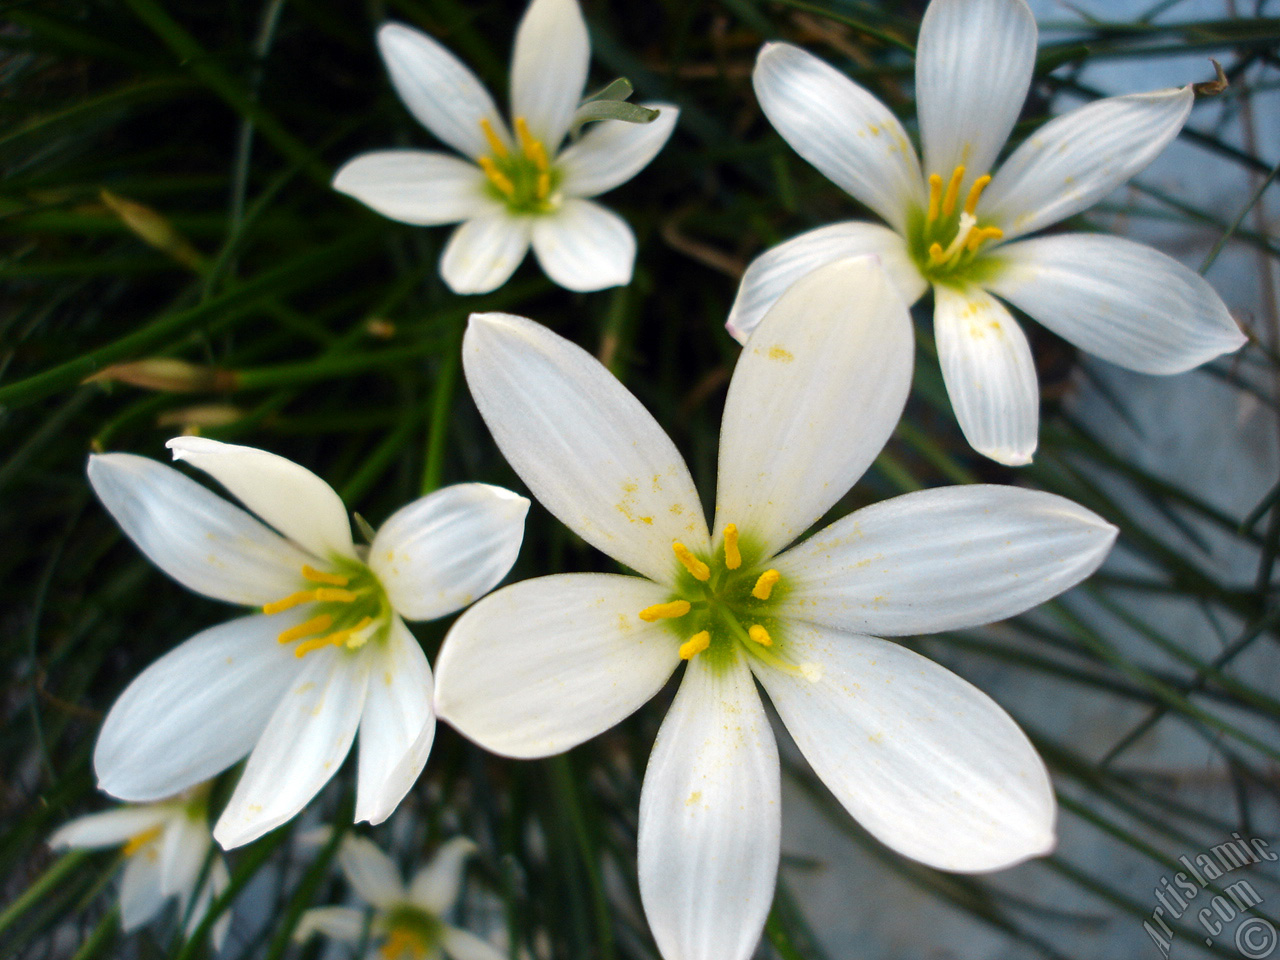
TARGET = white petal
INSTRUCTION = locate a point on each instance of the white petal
(435, 887)
(973, 71)
(1120, 300)
(583, 246)
(851, 137)
(461, 945)
(302, 746)
(218, 881)
(770, 274)
(439, 89)
(445, 550)
(989, 373)
(484, 252)
(371, 873)
(587, 448)
(140, 895)
(817, 391)
(108, 829)
(205, 543)
(287, 495)
(611, 152)
(710, 818)
(414, 186)
(337, 923)
(542, 665)
(184, 845)
(196, 710)
(549, 68)
(397, 727)
(1074, 161)
(925, 761)
(942, 559)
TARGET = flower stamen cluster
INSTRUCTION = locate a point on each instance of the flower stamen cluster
(949, 241)
(523, 180)
(353, 602)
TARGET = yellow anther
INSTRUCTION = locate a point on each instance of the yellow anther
(538, 154)
(935, 196)
(335, 639)
(975, 192)
(760, 635)
(695, 645)
(765, 584)
(665, 611)
(544, 185)
(696, 567)
(319, 576)
(314, 625)
(140, 840)
(401, 942)
(496, 176)
(981, 236)
(936, 254)
(528, 142)
(496, 146)
(953, 192)
(335, 595)
(732, 558)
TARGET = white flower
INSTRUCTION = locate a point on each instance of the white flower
(326, 653)
(925, 761)
(409, 921)
(166, 846)
(511, 191)
(950, 223)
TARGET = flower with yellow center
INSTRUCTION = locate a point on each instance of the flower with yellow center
(955, 221)
(517, 190)
(325, 654)
(926, 762)
(408, 922)
(165, 847)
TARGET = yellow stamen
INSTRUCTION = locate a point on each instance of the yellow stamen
(765, 584)
(496, 176)
(140, 840)
(538, 154)
(400, 942)
(732, 557)
(953, 192)
(760, 635)
(695, 645)
(527, 139)
(935, 196)
(975, 192)
(314, 625)
(696, 567)
(981, 236)
(332, 594)
(665, 611)
(336, 639)
(936, 256)
(496, 146)
(319, 576)
(544, 185)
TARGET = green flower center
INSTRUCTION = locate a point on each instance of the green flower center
(946, 239)
(412, 934)
(524, 180)
(348, 608)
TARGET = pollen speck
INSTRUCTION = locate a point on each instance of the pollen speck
(779, 352)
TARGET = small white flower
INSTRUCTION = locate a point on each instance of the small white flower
(925, 761)
(165, 845)
(408, 921)
(326, 653)
(950, 222)
(511, 191)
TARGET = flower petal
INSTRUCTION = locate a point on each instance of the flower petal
(140, 894)
(542, 665)
(286, 495)
(549, 68)
(1074, 161)
(942, 559)
(611, 152)
(852, 138)
(337, 923)
(484, 252)
(439, 90)
(461, 945)
(371, 873)
(973, 70)
(302, 746)
(205, 543)
(1120, 300)
(583, 246)
(587, 448)
(709, 817)
(196, 710)
(184, 845)
(415, 186)
(397, 727)
(770, 274)
(989, 373)
(817, 391)
(446, 549)
(108, 829)
(926, 762)
(435, 886)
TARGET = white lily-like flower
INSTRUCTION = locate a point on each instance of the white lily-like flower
(166, 846)
(407, 921)
(922, 759)
(511, 191)
(326, 654)
(951, 221)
